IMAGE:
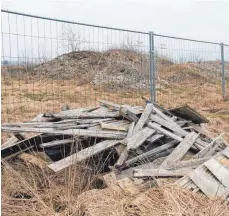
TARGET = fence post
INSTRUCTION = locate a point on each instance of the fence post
(152, 68)
(222, 71)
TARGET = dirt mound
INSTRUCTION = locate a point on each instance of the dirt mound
(185, 73)
(111, 67)
(114, 69)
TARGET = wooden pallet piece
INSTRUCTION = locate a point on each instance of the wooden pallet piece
(219, 171)
(211, 148)
(210, 186)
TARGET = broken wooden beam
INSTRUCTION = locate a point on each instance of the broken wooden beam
(82, 155)
(149, 154)
(144, 117)
(57, 143)
(211, 148)
(138, 139)
(138, 173)
(164, 131)
(74, 132)
(181, 149)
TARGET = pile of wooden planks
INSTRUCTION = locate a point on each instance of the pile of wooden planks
(146, 142)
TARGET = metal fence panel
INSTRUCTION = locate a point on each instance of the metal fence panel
(47, 63)
(187, 71)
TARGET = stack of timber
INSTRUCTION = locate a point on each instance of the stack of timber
(147, 144)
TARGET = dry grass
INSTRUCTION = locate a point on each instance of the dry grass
(22, 101)
(28, 190)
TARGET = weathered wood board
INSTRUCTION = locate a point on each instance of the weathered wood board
(181, 149)
(82, 155)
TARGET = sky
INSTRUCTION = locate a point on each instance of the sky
(201, 20)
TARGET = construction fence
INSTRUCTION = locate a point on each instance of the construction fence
(47, 63)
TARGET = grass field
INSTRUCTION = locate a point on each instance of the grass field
(23, 100)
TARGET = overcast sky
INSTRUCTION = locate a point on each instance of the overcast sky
(204, 20)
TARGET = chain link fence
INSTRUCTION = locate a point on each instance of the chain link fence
(49, 62)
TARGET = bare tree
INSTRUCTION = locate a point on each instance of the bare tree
(72, 38)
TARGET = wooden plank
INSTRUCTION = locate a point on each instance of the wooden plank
(114, 127)
(219, 171)
(209, 149)
(19, 136)
(144, 117)
(181, 149)
(56, 143)
(160, 172)
(139, 138)
(74, 132)
(9, 142)
(94, 114)
(147, 155)
(38, 118)
(128, 113)
(130, 130)
(84, 121)
(124, 154)
(29, 143)
(151, 165)
(210, 186)
(123, 157)
(183, 181)
(154, 138)
(188, 163)
(164, 131)
(199, 129)
(226, 152)
(129, 172)
(165, 117)
(110, 105)
(168, 124)
(82, 155)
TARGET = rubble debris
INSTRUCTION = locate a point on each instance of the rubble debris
(144, 142)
